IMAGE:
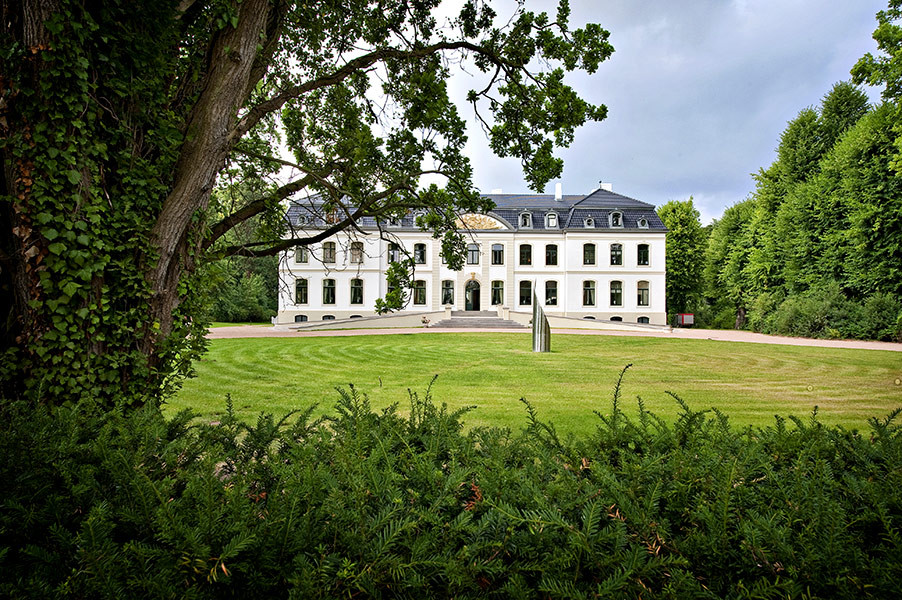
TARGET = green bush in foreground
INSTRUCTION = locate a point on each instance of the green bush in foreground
(384, 505)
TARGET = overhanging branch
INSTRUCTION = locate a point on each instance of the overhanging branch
(258, 112)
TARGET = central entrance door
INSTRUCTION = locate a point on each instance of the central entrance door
(472, 295)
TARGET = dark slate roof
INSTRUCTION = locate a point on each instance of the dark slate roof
(572, 211)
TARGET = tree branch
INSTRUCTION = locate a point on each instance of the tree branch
(266, 107)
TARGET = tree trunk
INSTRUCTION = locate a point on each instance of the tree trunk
(176, 234)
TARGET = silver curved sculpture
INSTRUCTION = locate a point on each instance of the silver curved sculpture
(541, 331)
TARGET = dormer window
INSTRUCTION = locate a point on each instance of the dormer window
(551, 221)
(616, 219)
(394, 221)
(589, 223)
(643, 223)
(525, 220)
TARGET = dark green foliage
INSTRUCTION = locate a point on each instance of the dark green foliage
(384, 505)
(827, 312)
(245, 289)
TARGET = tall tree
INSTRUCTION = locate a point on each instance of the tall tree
(886, 69)
(726, 254)
(118, 119)
(684, 256)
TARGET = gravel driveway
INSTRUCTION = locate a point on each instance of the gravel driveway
(725, 335)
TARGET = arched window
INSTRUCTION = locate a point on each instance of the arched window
(300, 318)
(328, 252)
(300, 291)
(642, 288)
(616, 254)
(618, 319)
(589, 223)
(643, 223)
(551, 221)
(525, 220)
(551, 293)
(419, 292)
(588, 293)
(356, 317)
(447, 292)
(356, 291)
(328, 317)
(328, 291)
(394, 252)
(419, 254)
(497, 254)
(356, 253)
(588, 254)
(300, 255)
(642, 254)
(497, 293)
(589, 318)
(643, 320)
(525, 254)
(551, 255)
(616, 219)
(472, 254)
(616, 293)
(525, 293)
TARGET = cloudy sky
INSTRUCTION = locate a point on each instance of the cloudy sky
(698, 92)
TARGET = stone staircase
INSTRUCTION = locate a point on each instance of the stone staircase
(485, 319)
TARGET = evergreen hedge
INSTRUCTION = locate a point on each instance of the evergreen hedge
(384, 505)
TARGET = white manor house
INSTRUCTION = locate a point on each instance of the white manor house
(598, 257)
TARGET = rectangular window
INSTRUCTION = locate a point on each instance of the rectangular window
(551, 293)
(551, 255)
(616, 254)
(300, 255)
(642, 258)
(419, 292)
(642, 299)
(588, 293)
(328, 291)
(356, 253)
(497, 254)
(419, 254)
(447, 292)
(497, 293)
(588, 254)
(394, 252)
(525, 293)
(525, 254)
(616, 293)
(356, 291)
(472, 254)
(328, 252)
(300, 291)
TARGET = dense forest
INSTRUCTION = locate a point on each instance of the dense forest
(816, 249)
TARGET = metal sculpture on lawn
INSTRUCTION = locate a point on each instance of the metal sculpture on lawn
(541, 331)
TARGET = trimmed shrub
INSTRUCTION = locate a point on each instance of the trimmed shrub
(382, 505)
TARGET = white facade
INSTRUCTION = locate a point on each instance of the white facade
(625, 281)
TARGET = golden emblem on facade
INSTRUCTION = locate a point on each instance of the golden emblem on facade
(474, 221)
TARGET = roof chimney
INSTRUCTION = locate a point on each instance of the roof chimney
(608, 187)
(558, 192)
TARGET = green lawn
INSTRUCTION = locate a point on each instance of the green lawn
(749, 382)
